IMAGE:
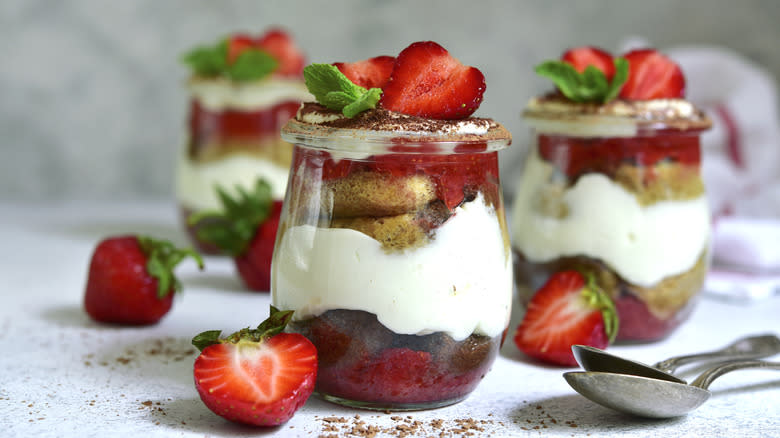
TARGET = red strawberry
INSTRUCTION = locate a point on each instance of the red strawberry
(369, 73)
(236, 46)
(581, 57)
(428, 82)
(258, 377)
(254, 265)
(563, 312)
(244, 229)
(131, 279)
(651, 75)
(282, 47)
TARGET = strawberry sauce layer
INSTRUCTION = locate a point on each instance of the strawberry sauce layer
(361, 360)
(578, 155)
(216, 126)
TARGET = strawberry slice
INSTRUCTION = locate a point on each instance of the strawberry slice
(258, 377)
(581, 57)
(282, 47)
(569, 309)
(427, 81)
(651, 75)
(237, 44)
(368, 73)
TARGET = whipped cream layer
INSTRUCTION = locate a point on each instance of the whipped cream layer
(617, 118)
(605, 221)
(459, 284)
(218, 94)
(196, 182)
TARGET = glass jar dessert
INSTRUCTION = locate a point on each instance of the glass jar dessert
(241, 93)
(394, 254)
(615, 189)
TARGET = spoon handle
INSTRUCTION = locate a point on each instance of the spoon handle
(706, 378)
(752, 347)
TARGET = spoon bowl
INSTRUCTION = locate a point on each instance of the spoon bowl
(752, 347)
(652, 398)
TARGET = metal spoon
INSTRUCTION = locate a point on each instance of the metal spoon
(752, 347)
(647, 397)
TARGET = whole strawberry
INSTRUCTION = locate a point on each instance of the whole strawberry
(245, 229)
(131, 281)
(258, 377)
(569, 309)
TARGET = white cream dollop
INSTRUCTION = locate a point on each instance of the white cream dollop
(221, 94)
(459, 284)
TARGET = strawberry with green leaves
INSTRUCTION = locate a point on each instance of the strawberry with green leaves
(256, 376)
(131, 280)
(245, 229)
(241, 57)
(570, 308)
(590, 74)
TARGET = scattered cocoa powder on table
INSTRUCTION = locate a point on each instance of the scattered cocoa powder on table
(402, 427)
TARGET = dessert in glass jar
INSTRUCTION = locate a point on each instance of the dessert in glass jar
(242, 90)
(393, 250)
(612, 186)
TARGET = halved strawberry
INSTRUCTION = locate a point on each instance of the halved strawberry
(258, 377)
(651, 75)
(282, 47)
(569, 309)
(368, 73)
(581, 57)
(236, 46)
(427, 81)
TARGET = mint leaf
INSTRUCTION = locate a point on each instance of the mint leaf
(252, 64)
(620, 78)
(365, 102)
(589, 86)
(335, 91)
(209, 61)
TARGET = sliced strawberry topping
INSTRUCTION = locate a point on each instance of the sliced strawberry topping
(369, 73)
(237, 44)
(254, 378)
(427, 81)
(651, 75)
(282, 47)
(581, 57)
(563, 312)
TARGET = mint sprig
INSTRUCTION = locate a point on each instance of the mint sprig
(335, 91)
(209, 61)
(589, 86)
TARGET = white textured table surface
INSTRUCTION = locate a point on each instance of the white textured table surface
(63, 375)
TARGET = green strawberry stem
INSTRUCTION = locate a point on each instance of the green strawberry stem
(232, 228)
(598, 299)
(272, 326)
(162, 257)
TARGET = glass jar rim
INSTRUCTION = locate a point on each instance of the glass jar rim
(618, 118)
(372, 142)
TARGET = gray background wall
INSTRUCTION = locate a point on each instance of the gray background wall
(91, 97)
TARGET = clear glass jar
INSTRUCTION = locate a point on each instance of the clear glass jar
(233, 139)
(616, 190)
(393, 252)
